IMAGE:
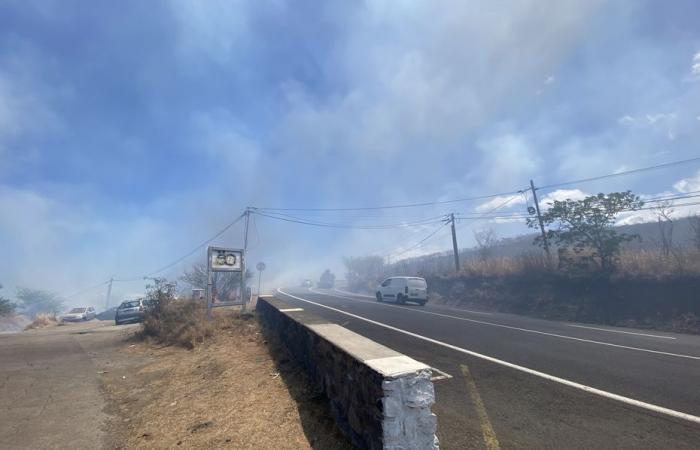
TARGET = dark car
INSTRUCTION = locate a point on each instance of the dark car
(130, 311)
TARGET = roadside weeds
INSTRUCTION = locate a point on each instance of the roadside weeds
(227, 392)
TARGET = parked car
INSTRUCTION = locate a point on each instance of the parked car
(79, 314)
(403, 289)
(130, 311)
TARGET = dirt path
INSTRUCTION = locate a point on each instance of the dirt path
(50, 387)
(90, 386)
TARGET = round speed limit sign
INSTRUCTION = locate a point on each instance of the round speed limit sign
(260, 266)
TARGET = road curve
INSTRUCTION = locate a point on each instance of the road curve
(535, 383)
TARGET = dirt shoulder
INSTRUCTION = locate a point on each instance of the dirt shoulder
(228, 392)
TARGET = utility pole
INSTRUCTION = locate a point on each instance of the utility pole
(454, 242)
(245, 256)
(109, 293)
(539, 219)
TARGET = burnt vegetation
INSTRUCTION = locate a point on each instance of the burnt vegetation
(645, 275)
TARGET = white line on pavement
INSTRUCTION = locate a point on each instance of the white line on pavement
(573, 384)
(375, 302)
(624, 332)
(527, 330)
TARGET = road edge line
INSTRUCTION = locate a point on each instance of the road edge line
(591, 390)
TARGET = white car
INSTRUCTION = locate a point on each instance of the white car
(403, 289)
(79, 314)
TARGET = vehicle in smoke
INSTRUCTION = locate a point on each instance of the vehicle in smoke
(79, 314)
(327, 280)
(130, 311)
(403, 289)
(307, 283)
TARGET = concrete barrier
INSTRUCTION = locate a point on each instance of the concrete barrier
(380, 398)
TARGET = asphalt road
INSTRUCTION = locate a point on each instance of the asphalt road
(517, 382)
(50, 390)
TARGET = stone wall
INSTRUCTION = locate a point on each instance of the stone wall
(380, 398)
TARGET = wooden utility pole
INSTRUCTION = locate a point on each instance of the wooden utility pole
(243, 260)
(539, 219)
(454, 242)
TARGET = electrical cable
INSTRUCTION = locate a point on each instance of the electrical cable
(619, 174)
(293, 219)
(407, 205)
(419, 243)
(85, 289)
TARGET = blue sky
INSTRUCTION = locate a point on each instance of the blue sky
(131, 131)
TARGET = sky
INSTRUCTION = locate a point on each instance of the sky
(131, 132)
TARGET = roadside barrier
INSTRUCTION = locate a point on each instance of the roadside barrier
(379, 398)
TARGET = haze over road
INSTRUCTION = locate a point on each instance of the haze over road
(519, 382)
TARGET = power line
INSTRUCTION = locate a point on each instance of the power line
(619, 174)
(303, 221)
(187, 255)
(85, 289)
(419, 243)
(407, 205)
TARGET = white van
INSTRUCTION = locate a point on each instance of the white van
(403, 289)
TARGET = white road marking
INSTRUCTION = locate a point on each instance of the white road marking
(376, 303)
(291, 309)
(624, 332)
(591, 390)
(442, 375)
(527, 330)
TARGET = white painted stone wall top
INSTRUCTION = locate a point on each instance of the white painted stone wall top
(384, 360)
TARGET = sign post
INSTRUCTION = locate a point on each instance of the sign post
(221, 259)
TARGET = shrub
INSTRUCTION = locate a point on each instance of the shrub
(178, 322)
(42, 320)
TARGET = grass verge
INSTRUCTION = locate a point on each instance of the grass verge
(226, 391)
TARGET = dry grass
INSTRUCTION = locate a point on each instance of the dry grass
(225, 393)
(656, 265)
(505, 266)
(179, 322)
(43, 320)
(630, 264)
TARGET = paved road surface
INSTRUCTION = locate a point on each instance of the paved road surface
(49, 386)
(519, 382)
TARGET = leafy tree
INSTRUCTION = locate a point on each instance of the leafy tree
(327, 280)
(35, 301)
(224, 283)
(587, 226)
(363, 270)
(7, 308)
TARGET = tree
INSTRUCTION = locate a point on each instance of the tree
(7, 308)
(35, 301)
(695, 225)
(587, 226)
(362, 270)
(485, 242)
(225, 283)
(664, 210)
(327, 280)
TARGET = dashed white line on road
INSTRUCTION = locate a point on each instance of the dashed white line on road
(291, 309)
(623, 332)
(591, 390)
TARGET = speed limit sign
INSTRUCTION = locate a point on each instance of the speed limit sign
(260, 266)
